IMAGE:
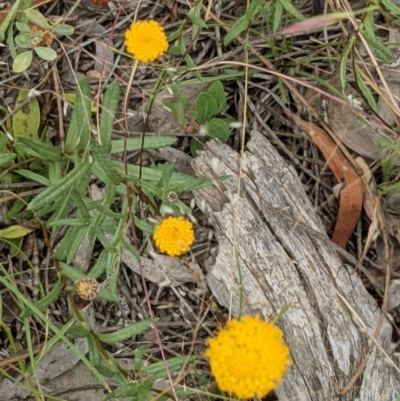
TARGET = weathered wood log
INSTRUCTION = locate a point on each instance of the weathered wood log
(285, 258)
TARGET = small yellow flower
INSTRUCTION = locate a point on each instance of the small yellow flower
(174, 236)
(248, 357)
(146, 41)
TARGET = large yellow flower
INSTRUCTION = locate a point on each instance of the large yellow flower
(174, 236)
(248, 357)
(146, 41)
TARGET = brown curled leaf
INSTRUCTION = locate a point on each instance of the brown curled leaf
(351, 196)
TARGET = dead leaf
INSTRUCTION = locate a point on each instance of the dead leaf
(351, 128)
(370, 205)
(351, 196)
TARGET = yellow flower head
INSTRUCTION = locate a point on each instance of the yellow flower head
(174, 236)
(146, 41)
(248, 357)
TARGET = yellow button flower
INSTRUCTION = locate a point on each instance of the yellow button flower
(248, 357)
(146, 41)
(174, 236)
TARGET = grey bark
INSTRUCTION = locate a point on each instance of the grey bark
(285, 258)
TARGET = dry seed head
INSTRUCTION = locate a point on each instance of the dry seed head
(87, 288)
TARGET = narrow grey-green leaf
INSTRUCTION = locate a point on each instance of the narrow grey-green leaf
(127, 332)
(198, 23)
(237, 28)
(56, 191)
(366, 92)
(194, 183)
(78, 134)
(343, 68)
(103, 160)
(107, 117)
(6, 159)
(390, 6)
(33, 177)
(76, 243)
(277, 18)
(380, 49)
(288, 6)
(150, 142)
(38, 149)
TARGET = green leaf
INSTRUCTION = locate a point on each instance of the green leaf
(22, 61)
(196, 20)
(54, 171)
(218, 128)
(343, 67)
(46, 53)
(148, 228)
(78, 236)
(191, 184)
(4, 140)
(6, 159)
(37, 18)
(23, 27)
(112, 271)
(206, 107)
(277, 18)
(198, 23)
(216, 90)
(390, 6)
(103, 160)
(366, 92)
(24, 40)
(174, 364)
(254, 9)
(15, 231)
(127, 332)
(38, 149)
(237, 28)
(26, 121)
(94, 353)
(380, 49)
(9, 16)
(34, 177)
(110, 105)
(78, 134)
(15, 210)
(150, 142)
(64, 29)
(44, 302)
(70, 242)
(79, 331)
(288, 6)
(56, 191)
(195, 146)
(62, 209)
(100, 266)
